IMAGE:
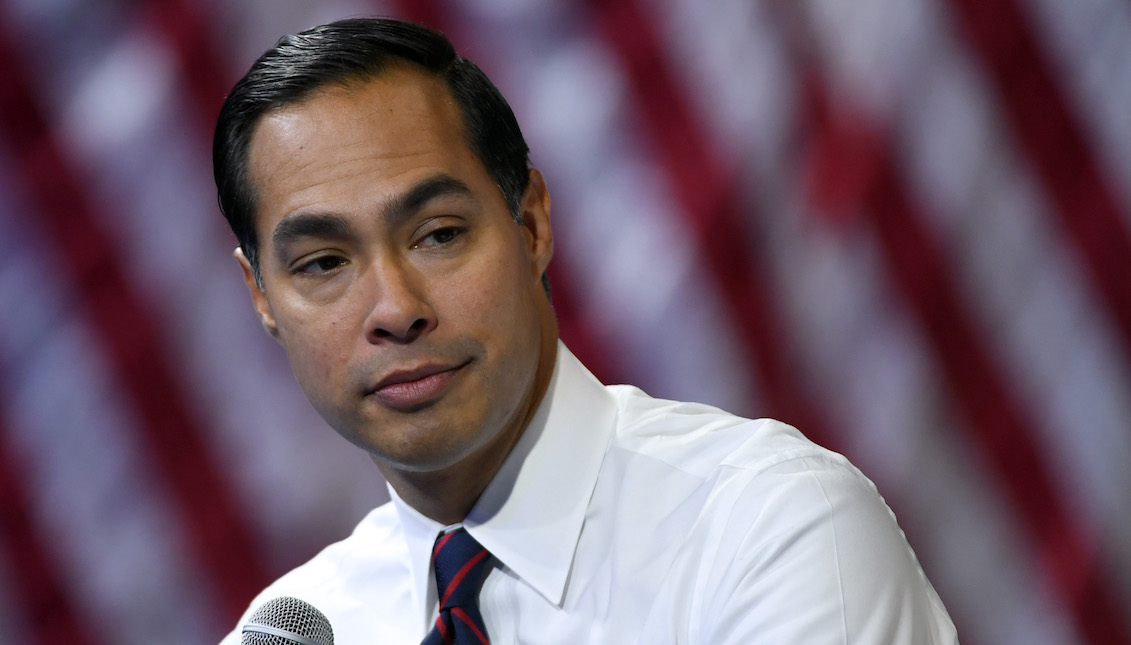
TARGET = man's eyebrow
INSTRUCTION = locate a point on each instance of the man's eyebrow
(405, 204)
(299, 225)
(294, 227)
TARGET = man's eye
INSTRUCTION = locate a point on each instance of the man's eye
(321, 264)
(440, 236)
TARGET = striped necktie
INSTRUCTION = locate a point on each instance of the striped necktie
(461, 564)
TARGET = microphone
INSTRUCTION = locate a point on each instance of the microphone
(287, 621)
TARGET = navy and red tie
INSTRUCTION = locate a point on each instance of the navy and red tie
(461, 564)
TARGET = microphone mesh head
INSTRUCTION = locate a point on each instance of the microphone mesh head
(298, 617)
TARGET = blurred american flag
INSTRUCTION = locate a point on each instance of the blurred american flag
(901, 225)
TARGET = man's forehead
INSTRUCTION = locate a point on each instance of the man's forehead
(401, 114)
(399, 93)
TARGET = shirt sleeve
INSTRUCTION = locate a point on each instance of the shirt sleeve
(812, 554)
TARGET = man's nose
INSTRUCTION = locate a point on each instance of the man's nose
(400, 311)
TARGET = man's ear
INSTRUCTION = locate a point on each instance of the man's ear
(536, 222)
(258, 298)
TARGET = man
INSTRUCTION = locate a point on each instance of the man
(395, 243)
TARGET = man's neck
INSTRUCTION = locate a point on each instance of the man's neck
(448, 495)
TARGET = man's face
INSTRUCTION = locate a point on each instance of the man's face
(405, 295)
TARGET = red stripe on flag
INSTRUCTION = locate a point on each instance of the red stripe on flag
(186, 32)
(41, 596)
(171, 430)
(996, 421)
(1055, 145)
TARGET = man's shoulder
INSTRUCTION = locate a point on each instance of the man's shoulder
(756, 522)
(702, 440)
(375, 548)
(374, 542)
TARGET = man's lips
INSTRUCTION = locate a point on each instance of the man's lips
(405, 389)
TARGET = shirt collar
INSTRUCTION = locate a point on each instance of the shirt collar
(530, 515)
(420, 533)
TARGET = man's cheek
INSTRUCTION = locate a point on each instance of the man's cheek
(315, 373)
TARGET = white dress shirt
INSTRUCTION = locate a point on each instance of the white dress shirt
(620, 518)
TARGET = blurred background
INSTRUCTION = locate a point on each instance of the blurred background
(903, 226)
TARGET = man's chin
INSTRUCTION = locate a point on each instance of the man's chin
(422, 454)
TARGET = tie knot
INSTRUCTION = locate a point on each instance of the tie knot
(461, 564)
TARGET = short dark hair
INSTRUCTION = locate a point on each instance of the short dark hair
(340, 53)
